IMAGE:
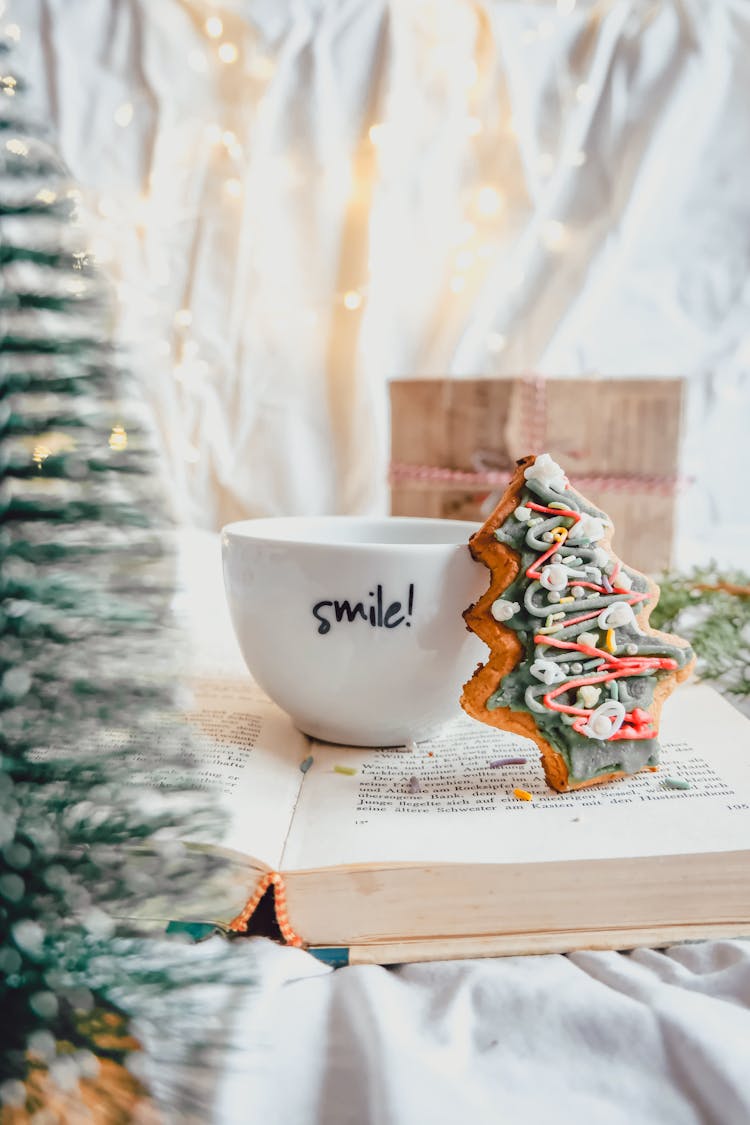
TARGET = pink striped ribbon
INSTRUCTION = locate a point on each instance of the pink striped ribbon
(402, 473)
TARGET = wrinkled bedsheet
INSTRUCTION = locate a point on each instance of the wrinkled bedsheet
(378, 188)
(591, 1037)
(649, 1037)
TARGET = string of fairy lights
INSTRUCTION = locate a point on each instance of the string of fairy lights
(226, 50)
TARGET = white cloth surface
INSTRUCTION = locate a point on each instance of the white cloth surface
(238, 203)
(605, 1038)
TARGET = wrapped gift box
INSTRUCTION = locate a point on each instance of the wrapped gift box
(454, 443)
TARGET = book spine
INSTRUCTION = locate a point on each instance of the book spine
(336, 956)
(270, 879)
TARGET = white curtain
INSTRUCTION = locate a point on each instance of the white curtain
(300, 199)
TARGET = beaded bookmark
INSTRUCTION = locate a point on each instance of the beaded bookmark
(240, 923)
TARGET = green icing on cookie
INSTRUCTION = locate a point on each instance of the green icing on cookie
(596, 713)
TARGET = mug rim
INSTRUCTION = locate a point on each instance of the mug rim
(260, 530)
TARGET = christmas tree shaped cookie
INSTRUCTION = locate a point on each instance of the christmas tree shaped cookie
(574, 664)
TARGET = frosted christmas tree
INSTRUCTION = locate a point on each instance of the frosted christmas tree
(87, 675)
(574, 665)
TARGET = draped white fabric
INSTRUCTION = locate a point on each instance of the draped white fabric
(558, 187)
(653, 1037)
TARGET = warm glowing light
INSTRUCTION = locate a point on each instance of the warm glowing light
(496, 343)
(228, 138)
(554, 235)
(118, 439)
(457, 283)
(376, 133)
(13, 31)
(577, 159)
(233, 187)
(228, 53)
(352, 300)
(214, 27)
(124, 114)
(17, 147)
(183, 318)
(489, 201)
(40, 454)
(473, 126)
(44, 195)
(262, 68)
(583, 92)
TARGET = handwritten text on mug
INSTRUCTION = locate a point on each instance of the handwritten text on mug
(375, 613)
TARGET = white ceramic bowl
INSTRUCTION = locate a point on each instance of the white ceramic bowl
(353, 625)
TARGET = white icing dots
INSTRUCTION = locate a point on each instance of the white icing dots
(546, 473)
(547, 671)
(554, 577)
(587, 527)
(589, 639)
(523, 513)
(615, 615)
(605, 721)
(503, 610)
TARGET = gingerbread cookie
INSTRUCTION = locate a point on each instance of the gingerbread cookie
(574, 664)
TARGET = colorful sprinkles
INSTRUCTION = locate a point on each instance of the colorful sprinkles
(675, 783)
(348, 770)
(523, 795)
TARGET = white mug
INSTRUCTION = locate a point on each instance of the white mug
(353, 625)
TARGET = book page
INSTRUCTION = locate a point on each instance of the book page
(247, 752)
(444, 802)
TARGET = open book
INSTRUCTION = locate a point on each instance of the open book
(425, 852)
